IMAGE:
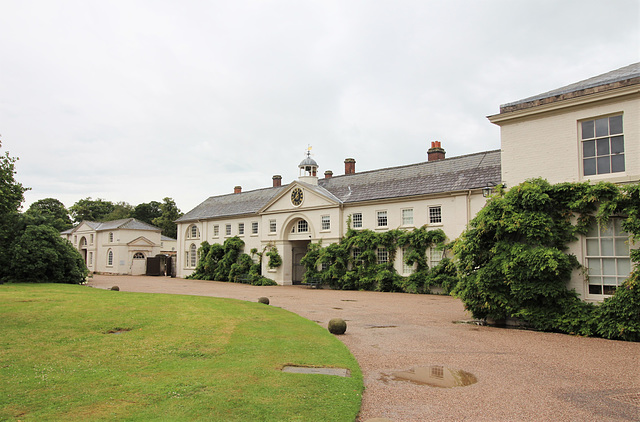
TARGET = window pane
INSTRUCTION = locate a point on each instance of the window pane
(595, 289)
(615, 125)
(606, 246)
(604, 165)
(589, 149)
(617, 226)
(594, 267)
(602, 127)
(624, 267)
(622, 247)
(617, 163)
(608, 229)
(609, 281)
(587, 130)
(608, 266)
(589, 166)
(617, 144)
(609, 290)
(592, 247)
(603, 146)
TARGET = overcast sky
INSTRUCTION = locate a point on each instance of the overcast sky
(139, 100)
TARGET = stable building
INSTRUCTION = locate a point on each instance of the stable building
(119, 246)
(440, 192)
(588, 131)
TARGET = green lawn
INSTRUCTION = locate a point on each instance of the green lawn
(77, 353)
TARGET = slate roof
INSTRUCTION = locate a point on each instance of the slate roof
(628, 75)
(249, 202)
(126, 223)
(432, 177)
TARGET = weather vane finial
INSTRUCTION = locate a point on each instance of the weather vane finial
(308, 150)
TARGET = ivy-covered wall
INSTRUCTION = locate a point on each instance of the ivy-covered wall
(352, 264)
(514, 262)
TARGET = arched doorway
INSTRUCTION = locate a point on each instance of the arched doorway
(83, 249)
(299, 235)
(138, 264)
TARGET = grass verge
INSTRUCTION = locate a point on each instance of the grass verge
(76, 353)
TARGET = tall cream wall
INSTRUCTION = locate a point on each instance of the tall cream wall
(547, 144)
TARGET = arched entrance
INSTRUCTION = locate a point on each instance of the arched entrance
(299, 235)
(83, 249)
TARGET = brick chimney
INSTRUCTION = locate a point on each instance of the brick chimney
(349, 166)
(237, 189)
(328, 174)
(277, 181)
(436, 152)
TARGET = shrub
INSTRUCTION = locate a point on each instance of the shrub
(40, 255)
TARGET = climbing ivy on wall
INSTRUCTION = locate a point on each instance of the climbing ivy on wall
(226, 262)
(343, 271)
(513, 260)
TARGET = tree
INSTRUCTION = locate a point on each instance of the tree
(147, 212)
(121, 210)
(170, 213)
(91, 210)
(40, 255)
(49, 211)
(11, 192)
(11, 196)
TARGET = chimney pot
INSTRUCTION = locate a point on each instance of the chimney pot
(328, 174)
(349, 166)
(277, 181)
(436, 152)
(237, 189)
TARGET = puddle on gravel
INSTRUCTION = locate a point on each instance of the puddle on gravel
(433, 376)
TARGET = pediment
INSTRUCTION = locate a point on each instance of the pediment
(306, 195)
(141, 241)
(84, 227)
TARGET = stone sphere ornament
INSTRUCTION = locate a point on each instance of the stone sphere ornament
(264, 300)
(337, 326)
(115, 288)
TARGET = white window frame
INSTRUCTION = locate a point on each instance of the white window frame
(435, 256)
(602, 150)
(241, 229)
(407, 217)
(110, 237)
(254, 227)
(356, 220)
(227, 230)
(326, 222)
(382, 217)
(435, 214)
(273, 226)
(110, 258)
(382, 255)
(216, 230)
(194, 232)
(192, 260)
(301, 226)
(606, 258)
(91, 258)
(406, 268)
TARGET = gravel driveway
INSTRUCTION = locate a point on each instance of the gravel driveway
(521, 375)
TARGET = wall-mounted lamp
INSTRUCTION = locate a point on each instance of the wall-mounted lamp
(488, 190)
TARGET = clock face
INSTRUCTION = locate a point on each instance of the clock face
(296, 196)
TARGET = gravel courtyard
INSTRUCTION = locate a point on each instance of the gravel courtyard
(521, 375)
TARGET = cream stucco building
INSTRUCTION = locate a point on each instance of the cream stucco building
(586, 131)
(119, 246)
(442, 193)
